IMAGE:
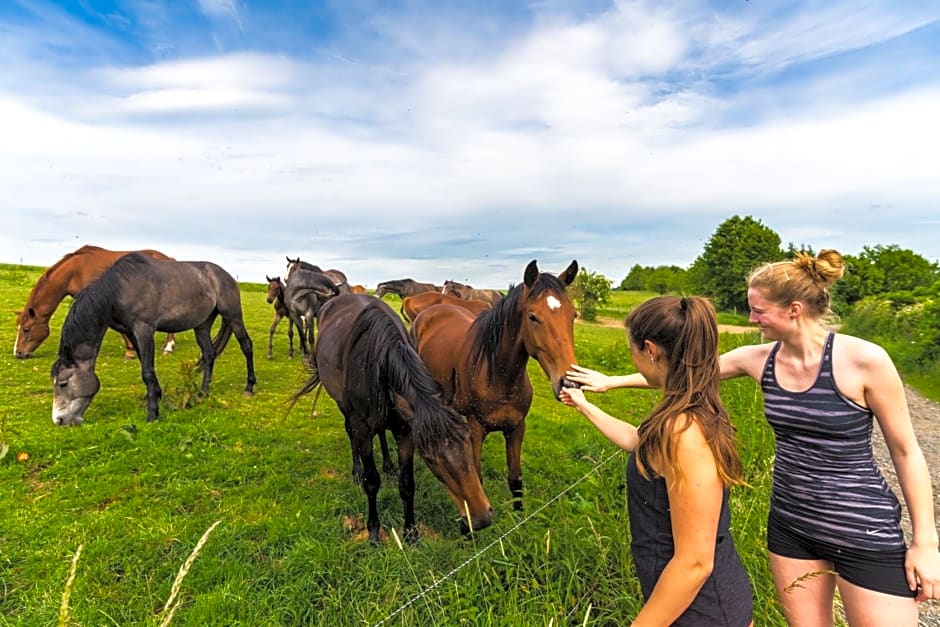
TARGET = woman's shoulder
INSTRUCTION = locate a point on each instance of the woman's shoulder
(860, 351)
(745, 360)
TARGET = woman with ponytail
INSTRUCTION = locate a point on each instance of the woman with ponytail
(834, 522)
(682, 464)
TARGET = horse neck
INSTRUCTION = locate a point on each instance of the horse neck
(53, 286)
(509, 353)
(86, 323)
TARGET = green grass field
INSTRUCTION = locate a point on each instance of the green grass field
(288, 549)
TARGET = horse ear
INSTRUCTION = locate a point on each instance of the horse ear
(267, 278)
(570, 273)
(531, 273)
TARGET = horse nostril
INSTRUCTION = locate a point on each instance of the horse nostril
(568, 383)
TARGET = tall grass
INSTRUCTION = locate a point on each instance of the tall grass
(137, 497)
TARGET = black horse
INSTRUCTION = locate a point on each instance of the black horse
(404, 288)
(304, 294)
(367, 363)
(138, 296)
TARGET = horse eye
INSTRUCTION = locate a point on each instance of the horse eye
(533, 317)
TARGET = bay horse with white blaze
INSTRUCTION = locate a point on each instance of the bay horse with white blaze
(138, 296)
(67, 277)
(367, 363)
(480, 361)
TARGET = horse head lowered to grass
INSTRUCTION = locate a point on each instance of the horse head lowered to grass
(367, 363)
(480, 359)
(138, 296)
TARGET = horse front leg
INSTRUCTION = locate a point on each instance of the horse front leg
(130, 352)
(514, 462)
(271, 330)
(145, 349)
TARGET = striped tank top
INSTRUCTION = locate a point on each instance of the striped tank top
(826, 483)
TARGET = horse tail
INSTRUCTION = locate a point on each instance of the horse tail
(401, 371)
(218, 343)
(312, 384)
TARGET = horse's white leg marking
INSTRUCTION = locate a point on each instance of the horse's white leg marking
(169, 346)
(16, 342)
(553, 303)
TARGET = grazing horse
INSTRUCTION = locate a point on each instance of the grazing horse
(480, 361)
(67, 277)
(404, 288)
(304, 294)
(466, 292)
(411, 306)
(276, 297)
(337, 276)
(367, 363)
(138, 296)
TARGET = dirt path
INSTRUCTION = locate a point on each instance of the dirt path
(925, 415)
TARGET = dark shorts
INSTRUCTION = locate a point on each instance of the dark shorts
(881, 571)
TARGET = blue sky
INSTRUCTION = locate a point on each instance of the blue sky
(459, 140)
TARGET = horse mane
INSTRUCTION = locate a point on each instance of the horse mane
(90, 313)
(44, 277)
(380, 340)
(491, 326)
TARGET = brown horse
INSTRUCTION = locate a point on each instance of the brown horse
(367, 363)
(276, 297)
(67, 277)
(467, 292)
(480, 362)
(411, 306)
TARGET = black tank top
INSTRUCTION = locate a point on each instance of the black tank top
(725, 599)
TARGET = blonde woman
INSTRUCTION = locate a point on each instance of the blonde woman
(831, 510)
(678, 477)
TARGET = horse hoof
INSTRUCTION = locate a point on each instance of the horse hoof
(248, 393)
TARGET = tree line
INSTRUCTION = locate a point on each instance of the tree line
(739, 244)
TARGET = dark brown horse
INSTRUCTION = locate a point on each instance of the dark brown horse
(481, 361)
(467, 292)
(138, 296)
(276, 297)
(404, 288)
(411, 306)
(367, 363)
(67, 277)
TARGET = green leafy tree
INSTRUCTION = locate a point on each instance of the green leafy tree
(637, 278)
(879, 270)
(660, 279)
(737, 246)
(588, 291)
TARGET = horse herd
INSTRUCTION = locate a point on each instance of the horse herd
(441, 386)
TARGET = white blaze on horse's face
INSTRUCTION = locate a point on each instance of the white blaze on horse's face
(553, 303)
